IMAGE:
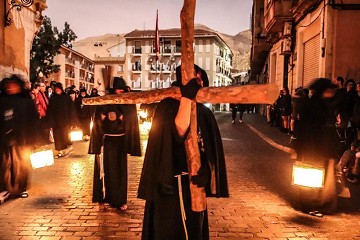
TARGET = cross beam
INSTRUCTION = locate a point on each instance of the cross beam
(246, 94)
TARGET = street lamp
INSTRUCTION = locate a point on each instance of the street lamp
(17, 6)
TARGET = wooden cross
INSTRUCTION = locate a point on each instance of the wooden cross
(255, 94)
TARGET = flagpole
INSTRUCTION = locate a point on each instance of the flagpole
(157, 49)
(156, 74)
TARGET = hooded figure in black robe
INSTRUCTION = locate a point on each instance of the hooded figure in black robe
(165, 158)
(61, 115)
(116, 130)
(83, 113)
(18, 134)
(317, 144)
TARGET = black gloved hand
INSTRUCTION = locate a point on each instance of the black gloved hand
(190, 89)
(203, 176)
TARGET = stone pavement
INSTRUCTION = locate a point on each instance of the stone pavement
(59, 206)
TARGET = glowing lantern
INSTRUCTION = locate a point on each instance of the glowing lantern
(42, 158)
(308, 176)
(147, 126)
(91, 124)
(143, 114)
(76, 135)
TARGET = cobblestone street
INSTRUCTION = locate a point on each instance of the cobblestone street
(59, 206)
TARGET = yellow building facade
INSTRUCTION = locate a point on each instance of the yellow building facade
(75, 69)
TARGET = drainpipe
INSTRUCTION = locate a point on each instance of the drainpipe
(323, 39)
(286, 70)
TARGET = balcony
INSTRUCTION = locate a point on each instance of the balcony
(167, 50)
(136, 67)
(154, 68)
(276, 14)
(166, 68)
(70, 75)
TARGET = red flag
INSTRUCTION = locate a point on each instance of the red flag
(157, 41)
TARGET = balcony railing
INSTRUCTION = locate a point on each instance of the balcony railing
(136, 67)
(70, 75)
(166, 50)
(163, 67)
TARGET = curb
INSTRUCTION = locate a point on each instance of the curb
(270, 141)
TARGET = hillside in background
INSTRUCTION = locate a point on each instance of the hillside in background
(240, 45)
(98, 45)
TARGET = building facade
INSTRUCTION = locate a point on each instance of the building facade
(19, 22)
(297, 41)
(75, 69)
(143, 72)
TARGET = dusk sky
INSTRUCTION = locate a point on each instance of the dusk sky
(97, 17)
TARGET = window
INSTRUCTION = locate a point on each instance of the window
(136, 66)
(167, 46)
(120, 68)
(137, 47)
(178, 46)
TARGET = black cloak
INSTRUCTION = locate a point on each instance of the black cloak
(114, 152)
(83, 113)
(61, 115)
(158, 186)
(132, 132)
(158, 169)
(18, 135)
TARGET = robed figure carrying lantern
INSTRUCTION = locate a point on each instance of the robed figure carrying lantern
(18, 116)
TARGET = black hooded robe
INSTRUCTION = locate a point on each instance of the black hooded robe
(115, 153)
(165, 157)
(18, 116)
(61, 115)
(83, 114)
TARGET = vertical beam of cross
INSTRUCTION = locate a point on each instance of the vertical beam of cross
(198, 196)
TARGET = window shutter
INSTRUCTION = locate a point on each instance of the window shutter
(311, 67)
